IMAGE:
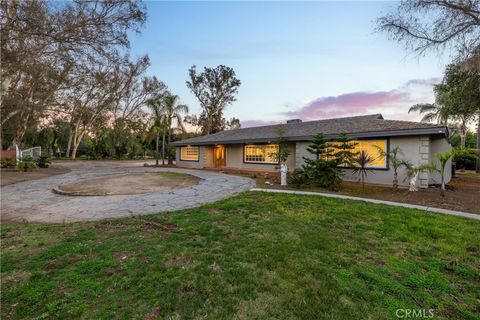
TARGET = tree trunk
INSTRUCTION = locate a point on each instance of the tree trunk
(74, 151)
(462, 140)
(69, 144)
(395, 180)
(21, 129)
(54, 142)
(478, 145)
(170, 160)
(163, 148)
(463, 134)
(442, 189)
(156, 149)
(77, 138)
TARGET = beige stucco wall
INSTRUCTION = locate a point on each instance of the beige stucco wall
(416, 149)
(235, 159)
(439, 145)
(203, 158)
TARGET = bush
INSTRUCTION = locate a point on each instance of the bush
(298, 178)
(465, 159)
(8, 163)
(324, 174)
(42, 161)
(27, 163)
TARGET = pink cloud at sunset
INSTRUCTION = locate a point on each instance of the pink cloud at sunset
(259, 123)
(392, 104)
(355, 103)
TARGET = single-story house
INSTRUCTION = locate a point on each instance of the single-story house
(252, 148)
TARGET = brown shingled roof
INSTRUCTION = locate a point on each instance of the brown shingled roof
(360, 127)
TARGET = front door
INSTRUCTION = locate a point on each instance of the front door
(219, 156)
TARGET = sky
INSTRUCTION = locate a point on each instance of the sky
(307, 60)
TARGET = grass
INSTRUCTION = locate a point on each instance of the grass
(255, 256)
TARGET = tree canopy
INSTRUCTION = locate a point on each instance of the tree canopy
(215, 89)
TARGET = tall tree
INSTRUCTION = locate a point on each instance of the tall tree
(459, 93)
(426, 25)
(43, 40)
(215, 89)
(436, 25)
(432, 112)
(172, 111)
(158, 126)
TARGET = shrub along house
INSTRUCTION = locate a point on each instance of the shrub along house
(251, 149)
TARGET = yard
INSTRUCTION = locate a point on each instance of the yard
(10, 176)
(463, 192)
(254, 256)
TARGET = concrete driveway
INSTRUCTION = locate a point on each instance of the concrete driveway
(35, 201)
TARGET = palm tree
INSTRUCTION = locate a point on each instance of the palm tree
(362, 166)
(431, 112)
(172, 110)
(395, 162)
(158, 126)
(442, 158)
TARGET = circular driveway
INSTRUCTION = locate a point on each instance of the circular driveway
(35, 201)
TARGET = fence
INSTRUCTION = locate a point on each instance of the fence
(31, 152)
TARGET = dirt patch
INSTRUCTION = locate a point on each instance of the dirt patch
(11, 176)
(153, 314)
(127, 184)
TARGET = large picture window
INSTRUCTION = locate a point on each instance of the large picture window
(260, 153)
(189, 153)
(373, 148)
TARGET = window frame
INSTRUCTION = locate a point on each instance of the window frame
(387, 163)
(387, 146)
(258, 162)
(198, 149)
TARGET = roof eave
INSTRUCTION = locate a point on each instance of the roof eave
(372, 134)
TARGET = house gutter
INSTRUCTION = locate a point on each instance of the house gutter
(372, 134)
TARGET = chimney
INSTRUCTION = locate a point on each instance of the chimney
(294, 121)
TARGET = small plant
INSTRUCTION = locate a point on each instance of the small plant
(42, 161)
(362, 168)
(7, 163)
(396, 163)
(323, 170)
(442, 158)
(298, 178)
(282, 154)
(26, 163)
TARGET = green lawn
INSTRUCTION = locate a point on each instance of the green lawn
(255, 256)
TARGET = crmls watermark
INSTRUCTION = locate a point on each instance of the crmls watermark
(414, 313)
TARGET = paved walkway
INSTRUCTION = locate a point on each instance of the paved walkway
(390, 203)
(35, 201)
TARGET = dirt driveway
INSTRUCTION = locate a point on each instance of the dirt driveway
(35, 201)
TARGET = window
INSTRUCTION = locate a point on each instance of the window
(189, 153)
(260, 153)
(372, 147)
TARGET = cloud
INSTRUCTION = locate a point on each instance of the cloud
(349, 104)
(423, 82)
(393, 103)
(258, 123)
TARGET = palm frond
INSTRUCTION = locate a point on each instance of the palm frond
(430, 117)
(422, 108)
